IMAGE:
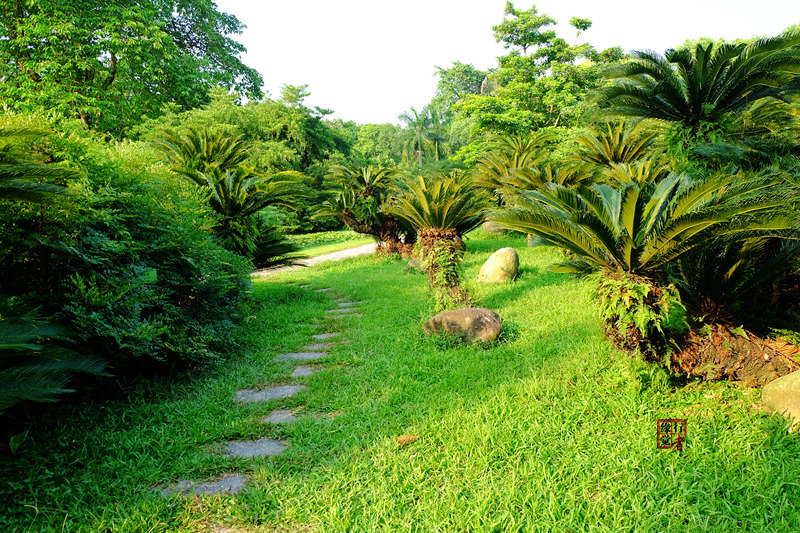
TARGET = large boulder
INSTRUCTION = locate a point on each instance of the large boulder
(502, 266)
(783, 395)
(471, 324)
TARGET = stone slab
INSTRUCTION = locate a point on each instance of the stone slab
(342, 315)
(255, 448)
(227, 485)
(326, 289)
(304, 286)
(301, 356)
(302, 371)
(317, 346)
(265, 395)
(344, 311)
(280, 416)
(325, 336)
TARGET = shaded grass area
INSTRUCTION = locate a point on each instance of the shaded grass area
(549, 430)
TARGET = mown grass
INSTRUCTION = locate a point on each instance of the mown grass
(314, 244)
(549, 430)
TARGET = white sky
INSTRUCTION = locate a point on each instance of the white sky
(370, 60)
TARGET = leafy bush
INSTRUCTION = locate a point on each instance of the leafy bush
(129, 261)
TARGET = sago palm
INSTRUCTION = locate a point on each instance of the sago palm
(442, 208)
(637, 228)
(700, 85)
(191, 153)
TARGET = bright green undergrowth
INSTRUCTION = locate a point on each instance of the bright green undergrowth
(549, 430)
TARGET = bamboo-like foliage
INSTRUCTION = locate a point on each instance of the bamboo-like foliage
(700, 85)
(639, 227)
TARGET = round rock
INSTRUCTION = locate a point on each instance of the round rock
(471, 324)
(783, 395)
(502, 266)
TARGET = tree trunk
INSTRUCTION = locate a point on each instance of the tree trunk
(737, 356)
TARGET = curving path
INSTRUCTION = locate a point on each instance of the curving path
(364, 249)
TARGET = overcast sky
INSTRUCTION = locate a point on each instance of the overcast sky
(370, 60)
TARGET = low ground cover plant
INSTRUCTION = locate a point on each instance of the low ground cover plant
(552, 429)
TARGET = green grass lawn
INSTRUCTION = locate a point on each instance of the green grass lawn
(551, 429)
(314, 244)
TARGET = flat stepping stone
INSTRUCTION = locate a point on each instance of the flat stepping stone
(227, 485)
(280, 416)
(265, 395)
(340, 311)
(324, 336)
(255, 448)
(324, 290)
(342, 315)
(317, 347)
(340, 300)
(304, 286)
(301, 356)
(301, 371)
(351, 304)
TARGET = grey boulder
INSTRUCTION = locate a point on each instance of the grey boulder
(472, 324)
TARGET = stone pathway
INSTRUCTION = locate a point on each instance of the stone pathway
(364, 249)
(232, 484)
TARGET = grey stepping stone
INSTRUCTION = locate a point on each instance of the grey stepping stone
(301, 356)
(342, 315)
(324, 290)
(340, 311)
(280, 416)
(324, 336)
(351, 304)
(317, 347)
(304, 286)
(301, 371)
(265, 395)
(340, 300)
(255, 448)
(227, 485)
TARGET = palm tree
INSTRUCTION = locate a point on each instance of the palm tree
(419, 124)
(442, 208)
(702, 84)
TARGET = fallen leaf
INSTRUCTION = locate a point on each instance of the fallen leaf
(405, 440)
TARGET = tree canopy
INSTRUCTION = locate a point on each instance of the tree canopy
(113, 63)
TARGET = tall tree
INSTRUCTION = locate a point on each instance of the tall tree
(113, 63)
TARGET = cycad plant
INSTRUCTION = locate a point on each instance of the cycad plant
(236, 192)
(636, 231)
(701, 85)
(360, 200)
(442, 208)
(34, 365)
